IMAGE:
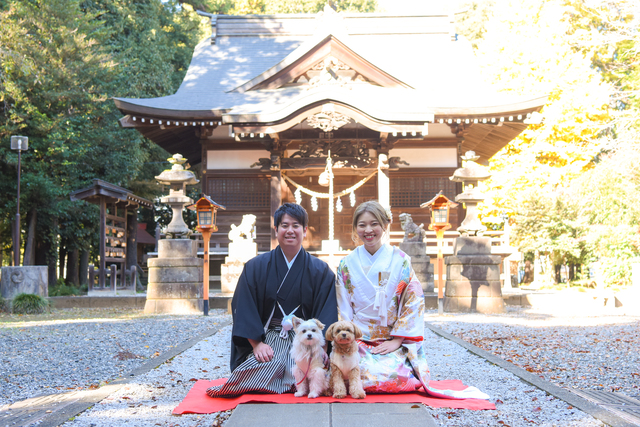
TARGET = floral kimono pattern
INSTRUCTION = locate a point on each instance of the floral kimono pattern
(382, 296)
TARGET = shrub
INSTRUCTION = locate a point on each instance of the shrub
(62, 290)
(29, 304)
(3, 305)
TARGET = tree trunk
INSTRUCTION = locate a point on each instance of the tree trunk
(84, 267)
(30, 246)
(72, 267)
(61, 259)
(50, 252)
(42, 250)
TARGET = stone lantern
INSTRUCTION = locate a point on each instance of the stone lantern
(473, 272)
(177, 178)
(175, 277)
(469, 176)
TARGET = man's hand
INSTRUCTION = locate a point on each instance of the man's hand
(326, 360)
(388, 346)
(262, 351)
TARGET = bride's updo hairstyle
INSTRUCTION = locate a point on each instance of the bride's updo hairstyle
(382, 215)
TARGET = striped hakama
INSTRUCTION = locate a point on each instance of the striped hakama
(273, 377)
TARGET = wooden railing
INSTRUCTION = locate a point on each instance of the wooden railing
(497, 241)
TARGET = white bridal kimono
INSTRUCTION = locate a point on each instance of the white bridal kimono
(382, 296)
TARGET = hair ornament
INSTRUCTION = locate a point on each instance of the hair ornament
(389, 214)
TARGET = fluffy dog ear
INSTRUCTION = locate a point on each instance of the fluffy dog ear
(296, 322)
(319, 323)
(329, 334)
(356, 331)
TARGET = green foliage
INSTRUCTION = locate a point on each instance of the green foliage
(245, 7)
(471, 23)
(29, 304)
(61, 61)
(63, 290)
(4, 306)
(568, 183)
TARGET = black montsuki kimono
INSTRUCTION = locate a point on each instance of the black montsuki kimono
(309, 284)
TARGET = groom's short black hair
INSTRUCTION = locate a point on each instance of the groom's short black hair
(294, 211)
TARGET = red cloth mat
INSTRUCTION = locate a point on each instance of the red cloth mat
(197, 401)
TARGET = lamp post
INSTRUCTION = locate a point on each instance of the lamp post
(206, 210)
(439, 206)
(19, 143)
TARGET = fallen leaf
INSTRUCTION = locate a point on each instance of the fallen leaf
(204, 358)
(538, 409)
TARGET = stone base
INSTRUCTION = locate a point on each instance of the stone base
(420, 262)
(174, 306)
(175, 279)
(229, 275)
(473, 305)
(31, 279)
(473, 277)
(242, 251)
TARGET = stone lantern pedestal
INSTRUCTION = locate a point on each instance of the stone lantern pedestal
(175, 279)
(473, 277)
(473, 274)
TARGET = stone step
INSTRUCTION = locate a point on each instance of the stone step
(331, 415)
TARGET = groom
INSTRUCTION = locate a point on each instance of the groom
(280, 282)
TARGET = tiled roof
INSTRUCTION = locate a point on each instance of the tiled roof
(417, 50)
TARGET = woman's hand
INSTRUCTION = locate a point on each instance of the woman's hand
(388, 346)
(262, 351)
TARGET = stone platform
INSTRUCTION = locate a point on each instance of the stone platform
(175, 279)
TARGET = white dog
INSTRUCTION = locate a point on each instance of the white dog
(311, 377)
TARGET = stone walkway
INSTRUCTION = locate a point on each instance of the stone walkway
(116, 400)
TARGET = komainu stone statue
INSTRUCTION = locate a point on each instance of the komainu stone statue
(414, 244)
(241, 249)
(245, 231)
(412, 232)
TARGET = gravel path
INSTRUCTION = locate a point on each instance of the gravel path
(150, 398)
(576, 349)
(47, 357)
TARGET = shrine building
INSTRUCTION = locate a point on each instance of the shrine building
(282, 108)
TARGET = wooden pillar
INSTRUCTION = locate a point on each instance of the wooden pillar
(103, 243)
(276, 201)
(383, 181)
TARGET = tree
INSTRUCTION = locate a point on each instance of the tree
(246, 7)
(61, 62)
(584, 55)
